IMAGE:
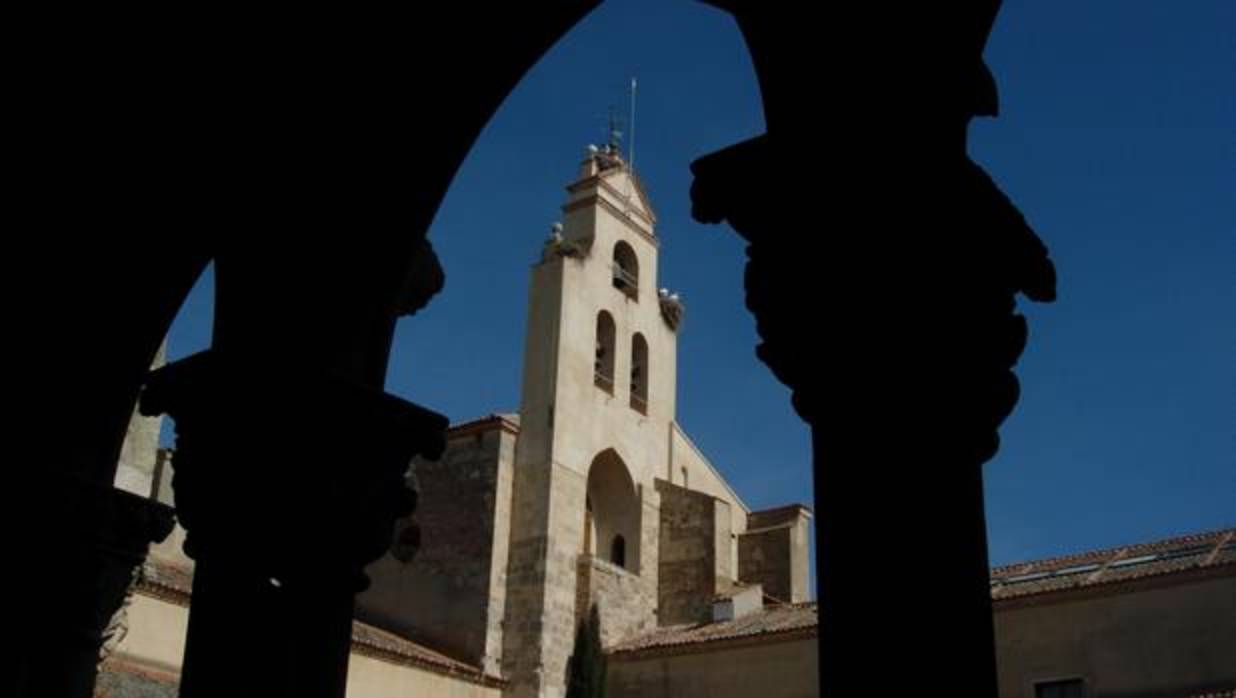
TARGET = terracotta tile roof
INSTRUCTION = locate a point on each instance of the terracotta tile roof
(773, 621)
(118, 678)
(372, 641)
(1092, 569)
(1101, 567)
(1214, 549)
(174, 583)
(505, 420)
(777, 516)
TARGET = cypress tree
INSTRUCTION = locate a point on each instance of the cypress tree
(586, 668)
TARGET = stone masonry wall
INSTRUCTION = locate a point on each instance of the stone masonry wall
(764, 558)
(443, 597)
(768, 669)
(525, 575)
(566, 539)
(623, 600)
(650, 543)
(694, 551)
(546, 538)
(773, 552)
(496, 620)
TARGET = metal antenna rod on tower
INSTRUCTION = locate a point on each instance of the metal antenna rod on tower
(631, 143)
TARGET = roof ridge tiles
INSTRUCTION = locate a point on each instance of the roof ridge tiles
(1102, 553)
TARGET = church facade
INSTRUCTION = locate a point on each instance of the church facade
(592, 494)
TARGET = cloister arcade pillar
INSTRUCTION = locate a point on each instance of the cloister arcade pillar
(883, 269)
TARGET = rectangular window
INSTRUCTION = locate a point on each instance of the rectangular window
(1068, 688)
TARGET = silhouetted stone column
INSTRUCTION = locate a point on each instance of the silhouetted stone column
(288, 483)
(188, 154)
(89, 321)
(883, 269)
(290, 458)
(84, 575)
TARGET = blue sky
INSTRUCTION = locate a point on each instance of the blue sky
(1118, 141)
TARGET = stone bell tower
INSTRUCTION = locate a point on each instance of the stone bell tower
(595, 421)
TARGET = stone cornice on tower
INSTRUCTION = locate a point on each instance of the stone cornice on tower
(617, 212)
(596, 185)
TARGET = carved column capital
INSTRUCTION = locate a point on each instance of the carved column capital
(288, 473)
(98, 537)
(902, 288)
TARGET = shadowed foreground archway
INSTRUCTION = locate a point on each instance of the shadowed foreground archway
(308, 158)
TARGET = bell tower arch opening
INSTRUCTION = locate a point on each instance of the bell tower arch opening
(613, 516)
(603, 365)
(626, 270)
(639, 373)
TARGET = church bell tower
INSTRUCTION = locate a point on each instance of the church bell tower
(596, 414)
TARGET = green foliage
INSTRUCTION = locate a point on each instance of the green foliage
(586, 668)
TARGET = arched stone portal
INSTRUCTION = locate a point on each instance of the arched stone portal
(614, 512)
